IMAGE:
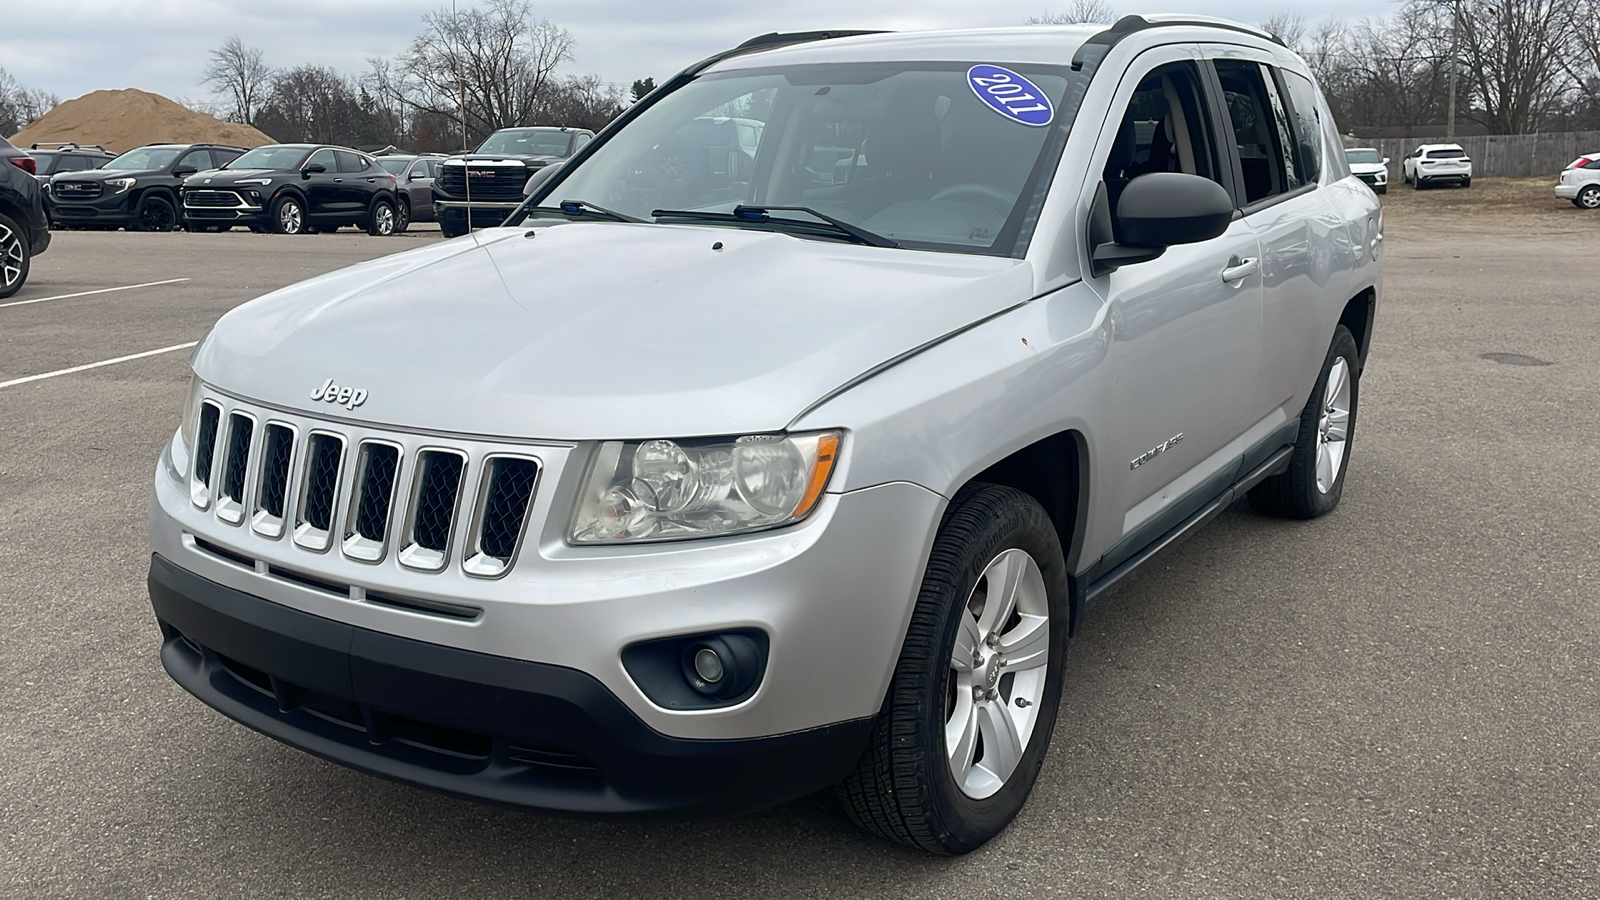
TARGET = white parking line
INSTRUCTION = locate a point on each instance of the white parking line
(95, 365)
(128, 287)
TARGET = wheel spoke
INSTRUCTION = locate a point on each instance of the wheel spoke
(1026, 646)
(1325, 470)
(1336, 380)
(961, 736)
(967, 642)
(1004, 575)
(1338, 425)
(1002, 745)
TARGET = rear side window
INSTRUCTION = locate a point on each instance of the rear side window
(350, 162)
(1306, 117)
(1260, 128)
(71, 162)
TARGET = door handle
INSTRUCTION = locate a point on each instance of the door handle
(1240, 269)
(338, 181)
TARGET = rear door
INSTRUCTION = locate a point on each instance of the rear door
(360, 182)
(1186, 328)
(1281, 165)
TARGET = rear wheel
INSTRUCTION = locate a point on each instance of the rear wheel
(380, 222)
(288, 216)
(402, 217)
(1416, 183)
(1588, 198)
(155, 214)
(1466, 182)
(967, 720)
(1314, 481)
(14, 257)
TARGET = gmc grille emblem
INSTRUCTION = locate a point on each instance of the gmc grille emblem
(348, 397)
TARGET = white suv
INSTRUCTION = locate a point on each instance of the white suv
(1580, 182)
(1370, 166)
(718, 476)
(1432, 164)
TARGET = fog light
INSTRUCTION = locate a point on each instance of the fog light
(708, 665)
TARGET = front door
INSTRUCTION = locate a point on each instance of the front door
(322, 188)
(1186, 328)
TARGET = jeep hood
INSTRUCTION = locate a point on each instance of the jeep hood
(599, 330)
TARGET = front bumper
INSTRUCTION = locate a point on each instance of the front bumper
(484, 213)
(470, 724)
(1374, 179)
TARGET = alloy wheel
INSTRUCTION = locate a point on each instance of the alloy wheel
(997, 674)
(289, 217)
(384, 219)
(1589, 197)
(156, 216)
(12, 256)
(1333, 426)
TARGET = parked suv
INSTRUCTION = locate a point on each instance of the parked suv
(137, 190)
(498, 169)
(414, 176)
(1370, 166)
(1432, 164)
(294, 189)
(832, 457)
(24, 230)
(1580, 182)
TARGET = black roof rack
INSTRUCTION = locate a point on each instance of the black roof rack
(66, 145)
(1129, 25)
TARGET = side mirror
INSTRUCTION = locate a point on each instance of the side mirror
(540, 177)
(184, 171)
(1386, 160)
(1155, 211)
(313, 169)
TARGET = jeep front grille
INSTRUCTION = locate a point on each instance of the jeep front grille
(361, 491)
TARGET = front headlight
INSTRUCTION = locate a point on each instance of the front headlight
(191, 416)
(254, 181)
(120, 184)
(677, 490)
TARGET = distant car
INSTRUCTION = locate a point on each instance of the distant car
(1370, 166)
(1580, 182)
(1432, 164)
(414, 176)
(498, 170)
(294, 189)
(137, 190)
(52, 159)
(24, 230)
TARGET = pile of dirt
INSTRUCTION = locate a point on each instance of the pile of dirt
(122, 120)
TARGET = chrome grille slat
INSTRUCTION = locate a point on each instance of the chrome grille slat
(235, 467)
(366, 528)
(319, 490)
(431, 514)
(500, 515)
(205, 451)
(272, 481)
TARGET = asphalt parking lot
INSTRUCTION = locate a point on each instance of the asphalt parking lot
(1399, 700)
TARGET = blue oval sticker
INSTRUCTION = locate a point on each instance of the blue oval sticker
(1011, 95)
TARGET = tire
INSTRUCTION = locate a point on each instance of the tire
(1416, 183)
(450, 229)
(402, 217)
(1383, 189)
(1466, 182)
(905, 788)
(1314, 481)
(15, 257)
(380, 222)
(288, 216)
(1588, 198)
(155, 213)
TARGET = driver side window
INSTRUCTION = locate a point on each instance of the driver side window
(323, 158)
(1166, 128)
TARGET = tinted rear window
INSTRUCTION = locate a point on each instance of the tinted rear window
(1446, 154)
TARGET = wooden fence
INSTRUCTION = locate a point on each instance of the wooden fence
(1512, 155)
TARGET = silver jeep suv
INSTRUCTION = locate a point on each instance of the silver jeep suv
(732, 468)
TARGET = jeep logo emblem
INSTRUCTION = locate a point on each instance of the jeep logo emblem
(349, 398)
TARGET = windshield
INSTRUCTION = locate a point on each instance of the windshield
(394, 165)
(528, 143)
(271, 157)
(144, 159)
(1363, 156)
(908, 151)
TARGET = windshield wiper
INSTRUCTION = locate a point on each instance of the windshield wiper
(762, 215)
(585, 208)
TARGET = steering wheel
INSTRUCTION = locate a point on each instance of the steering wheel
(974, 192)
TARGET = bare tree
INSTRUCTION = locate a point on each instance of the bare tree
(242, 75)
(20, 105)
(1513, 53)
(311, 103)
(1287, 26)
(1082, 12)
(581, 102)
(495, 60)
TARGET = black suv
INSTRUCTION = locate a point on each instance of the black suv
(24, 231)
(137, 191)
(498, 169)
(293, 189)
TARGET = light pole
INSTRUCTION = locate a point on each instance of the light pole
(1455, 41)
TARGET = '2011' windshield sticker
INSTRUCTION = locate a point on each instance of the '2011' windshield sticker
(1011, 95)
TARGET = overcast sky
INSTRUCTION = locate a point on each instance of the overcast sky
(73, 47)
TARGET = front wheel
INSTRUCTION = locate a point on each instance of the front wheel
(288, 216)
(967, 720)
(451, 228)
(1416, 183)
(1588, 198)
(1466, 182)
(380, 223)
(14, 257)
(155, 214)
(1314, 481)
